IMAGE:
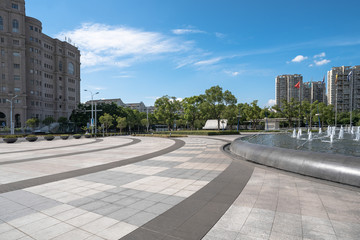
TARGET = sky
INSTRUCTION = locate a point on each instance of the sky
(140, 50)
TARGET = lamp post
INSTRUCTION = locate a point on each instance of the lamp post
(92, 109)
(11, 113)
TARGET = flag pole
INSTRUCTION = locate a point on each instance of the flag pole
(336, 99)
(351, 95)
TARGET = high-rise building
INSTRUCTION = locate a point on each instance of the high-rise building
(344, 90)
(314, 91)
(285, 88)
(43, 73)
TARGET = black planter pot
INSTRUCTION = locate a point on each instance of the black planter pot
(64, 137)
(87, 135)
(77, 136)
(49, 138)
(31, 139)
(10, 140)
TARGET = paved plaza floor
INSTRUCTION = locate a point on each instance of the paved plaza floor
(157, 188)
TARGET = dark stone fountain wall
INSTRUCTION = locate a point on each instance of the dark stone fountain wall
(332, 167)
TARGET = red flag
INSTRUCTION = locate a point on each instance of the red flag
(297, 85)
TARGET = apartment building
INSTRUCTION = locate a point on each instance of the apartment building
(285, 88)
(39, 74)
(344, 88)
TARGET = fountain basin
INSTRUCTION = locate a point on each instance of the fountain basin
(331, 167)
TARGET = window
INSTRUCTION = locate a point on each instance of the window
(16, 42)
(15, 6)
(60, 66)
(16, 89)
(71, 69)
(2, 40)
(31, 28)
(16, 65)
(15, 25)
(16, 54)
(16, 77)
(1, 23)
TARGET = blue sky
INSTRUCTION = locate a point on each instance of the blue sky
(139, 50)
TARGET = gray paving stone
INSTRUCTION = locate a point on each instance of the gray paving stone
(158, 208)
(142, 204)
(140, 218)
(123, 213)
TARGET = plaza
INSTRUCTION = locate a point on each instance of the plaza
(159, 188)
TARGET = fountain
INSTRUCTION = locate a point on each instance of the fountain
(310, 136)
(333, 156)
(320, 130)
(341, 133)
(299, 134)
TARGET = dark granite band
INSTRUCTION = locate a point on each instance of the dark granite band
(195, 216)
(84, 171)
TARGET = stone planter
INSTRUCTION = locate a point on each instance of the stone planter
(64, 137)
(77, 136)
(87, 135)
(49, 138)
(10, 140)
(31, 139)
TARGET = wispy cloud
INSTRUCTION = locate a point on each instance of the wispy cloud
(321, 55)
(321, 62)
(208, 62)
(299, 58)
(181, 31)
(220, 35)
(105, 45)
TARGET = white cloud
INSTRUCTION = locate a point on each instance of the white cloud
(208, 62)
(321, 62)
(299, 58)
(321, 55)
(232, 73)
(271, 102)
(104, 45)
(220, 35)
(186, 31)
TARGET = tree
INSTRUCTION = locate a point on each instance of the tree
(231, 113)
(49, 120)
(289, 110)
(252, 112)
(145, 123)
(121, 123)
(191, 107)
(215, 102)
(107, 120)
(32, 123)
(166, 110)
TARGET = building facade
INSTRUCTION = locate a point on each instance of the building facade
(285, 88)
(135, 106)
(39, 74)
(344, 90)
(309, 91)
(314, 91)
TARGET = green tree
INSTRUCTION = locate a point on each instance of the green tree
(49, 120)
(231, 113)
(166, 110)
(289, 110)
(215, 102)
(191, 107)
(252, 112)
(121, 123)
(107, 120)
(32, 123)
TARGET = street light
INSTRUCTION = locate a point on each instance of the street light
(11, 113)
(92, 109)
